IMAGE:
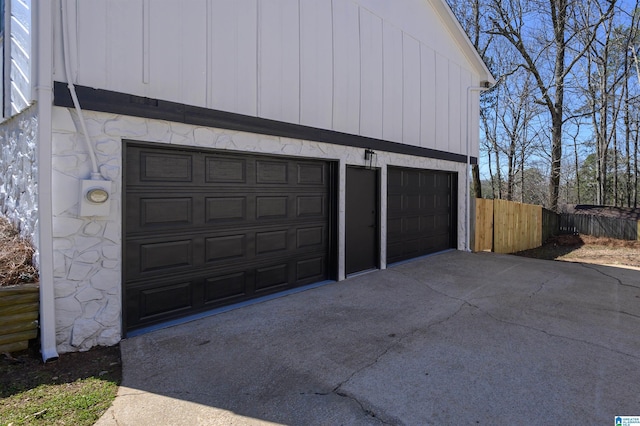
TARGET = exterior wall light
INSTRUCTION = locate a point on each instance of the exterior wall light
(369, 154)
(95, 197)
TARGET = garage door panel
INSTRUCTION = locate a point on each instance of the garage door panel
(394, 229)
(394, 250)
(166, 211)
(442, 202)
(166, 255)
(161, 255)
(225, 170)
(412, 203)
(164, 300)
(226, 247)
(442, 222)
(411, 181)
(225, 287)
(157, 211)
(271, 277)
(272, 172)
(411, 224)
(394, 179)
(271, 241)
(310, 270)
(419, 213)
(272, 207)
(225, 209)
(428, 224)
(311, 174)
(311, 206)
(413, 247)
(394, 203)
(163, 167)
(427, 202)
(234, 226)
(310, 237)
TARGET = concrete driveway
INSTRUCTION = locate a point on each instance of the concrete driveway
(455, 338)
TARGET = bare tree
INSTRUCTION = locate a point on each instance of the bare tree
(470, 15)
(525, 26)
(607, 71)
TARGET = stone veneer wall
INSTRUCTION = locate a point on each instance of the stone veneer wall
(19, 173)
(88, 251)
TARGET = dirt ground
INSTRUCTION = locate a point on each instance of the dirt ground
(24, 370)
(588, 249)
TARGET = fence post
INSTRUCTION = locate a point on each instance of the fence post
(484, 225)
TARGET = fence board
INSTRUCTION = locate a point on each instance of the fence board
(599, 226)
(516, 226)
(550, 224)
(18, 316)
(484, 225)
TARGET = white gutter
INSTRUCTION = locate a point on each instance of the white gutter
(467, 195)
(43, 78)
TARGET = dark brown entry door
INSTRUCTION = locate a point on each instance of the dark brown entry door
(208, 228)
(420, 212)
(361, 220)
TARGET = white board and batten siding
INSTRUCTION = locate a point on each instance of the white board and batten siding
(16, 54)
(376, 68)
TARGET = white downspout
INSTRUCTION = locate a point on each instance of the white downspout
(467, 195)
(43, 62)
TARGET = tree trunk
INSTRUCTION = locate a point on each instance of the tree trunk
(477, 185)
(616, 202)
(556, 160)
(577, 166)
(559, 18)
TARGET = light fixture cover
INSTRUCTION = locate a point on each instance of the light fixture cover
(97, 195)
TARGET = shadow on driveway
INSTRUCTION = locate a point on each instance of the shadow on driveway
(455, 338)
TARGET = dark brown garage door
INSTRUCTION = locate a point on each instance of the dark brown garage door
(206, 229)
(420, 212)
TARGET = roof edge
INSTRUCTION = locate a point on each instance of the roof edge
(461, 37)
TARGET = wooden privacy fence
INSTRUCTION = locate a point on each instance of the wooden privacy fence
(507, 227)
(599, 226)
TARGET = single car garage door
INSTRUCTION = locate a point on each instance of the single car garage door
(206, 229)
(420, 212)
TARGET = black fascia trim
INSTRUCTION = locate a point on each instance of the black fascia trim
(101, 100)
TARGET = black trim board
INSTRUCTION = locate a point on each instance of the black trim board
(101, 100)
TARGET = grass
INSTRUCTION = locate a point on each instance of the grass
(76, 389)
(588, 249)
(79, 403)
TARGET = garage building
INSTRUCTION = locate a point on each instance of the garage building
(175, 161)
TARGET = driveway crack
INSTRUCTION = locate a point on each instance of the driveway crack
(593, 268)
(338, 388)
(559, 336)
(490, 315)
(542, 285)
